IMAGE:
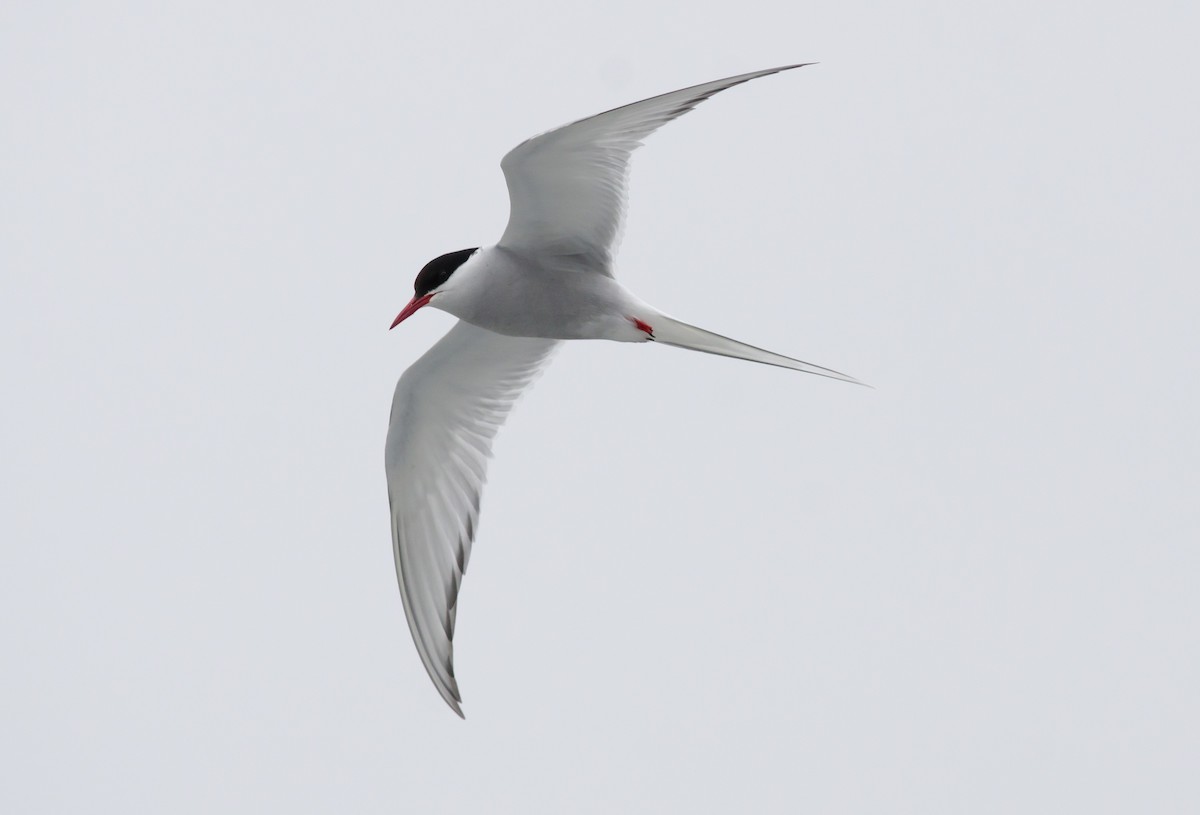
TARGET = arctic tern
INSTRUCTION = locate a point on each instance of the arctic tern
(549, 278)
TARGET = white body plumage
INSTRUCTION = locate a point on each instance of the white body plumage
(549, 278)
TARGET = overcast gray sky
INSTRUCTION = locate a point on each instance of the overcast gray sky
(700, 585)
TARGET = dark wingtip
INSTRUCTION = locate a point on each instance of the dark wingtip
(453, 699)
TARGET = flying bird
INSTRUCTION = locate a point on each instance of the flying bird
(549, 278)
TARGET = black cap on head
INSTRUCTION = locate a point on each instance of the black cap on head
(438, 270)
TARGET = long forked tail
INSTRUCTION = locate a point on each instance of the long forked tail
(669, 331)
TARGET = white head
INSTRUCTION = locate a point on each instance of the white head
(433, 280)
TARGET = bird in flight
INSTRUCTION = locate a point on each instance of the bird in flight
(549, 278)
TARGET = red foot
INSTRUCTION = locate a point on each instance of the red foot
(642, 326)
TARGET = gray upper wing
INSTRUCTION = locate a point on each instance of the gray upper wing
(567, 187)
(447, 409)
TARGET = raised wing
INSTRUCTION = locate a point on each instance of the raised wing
(567, 187)
(446, 411)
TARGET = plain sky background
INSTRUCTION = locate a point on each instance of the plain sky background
(700, 585)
